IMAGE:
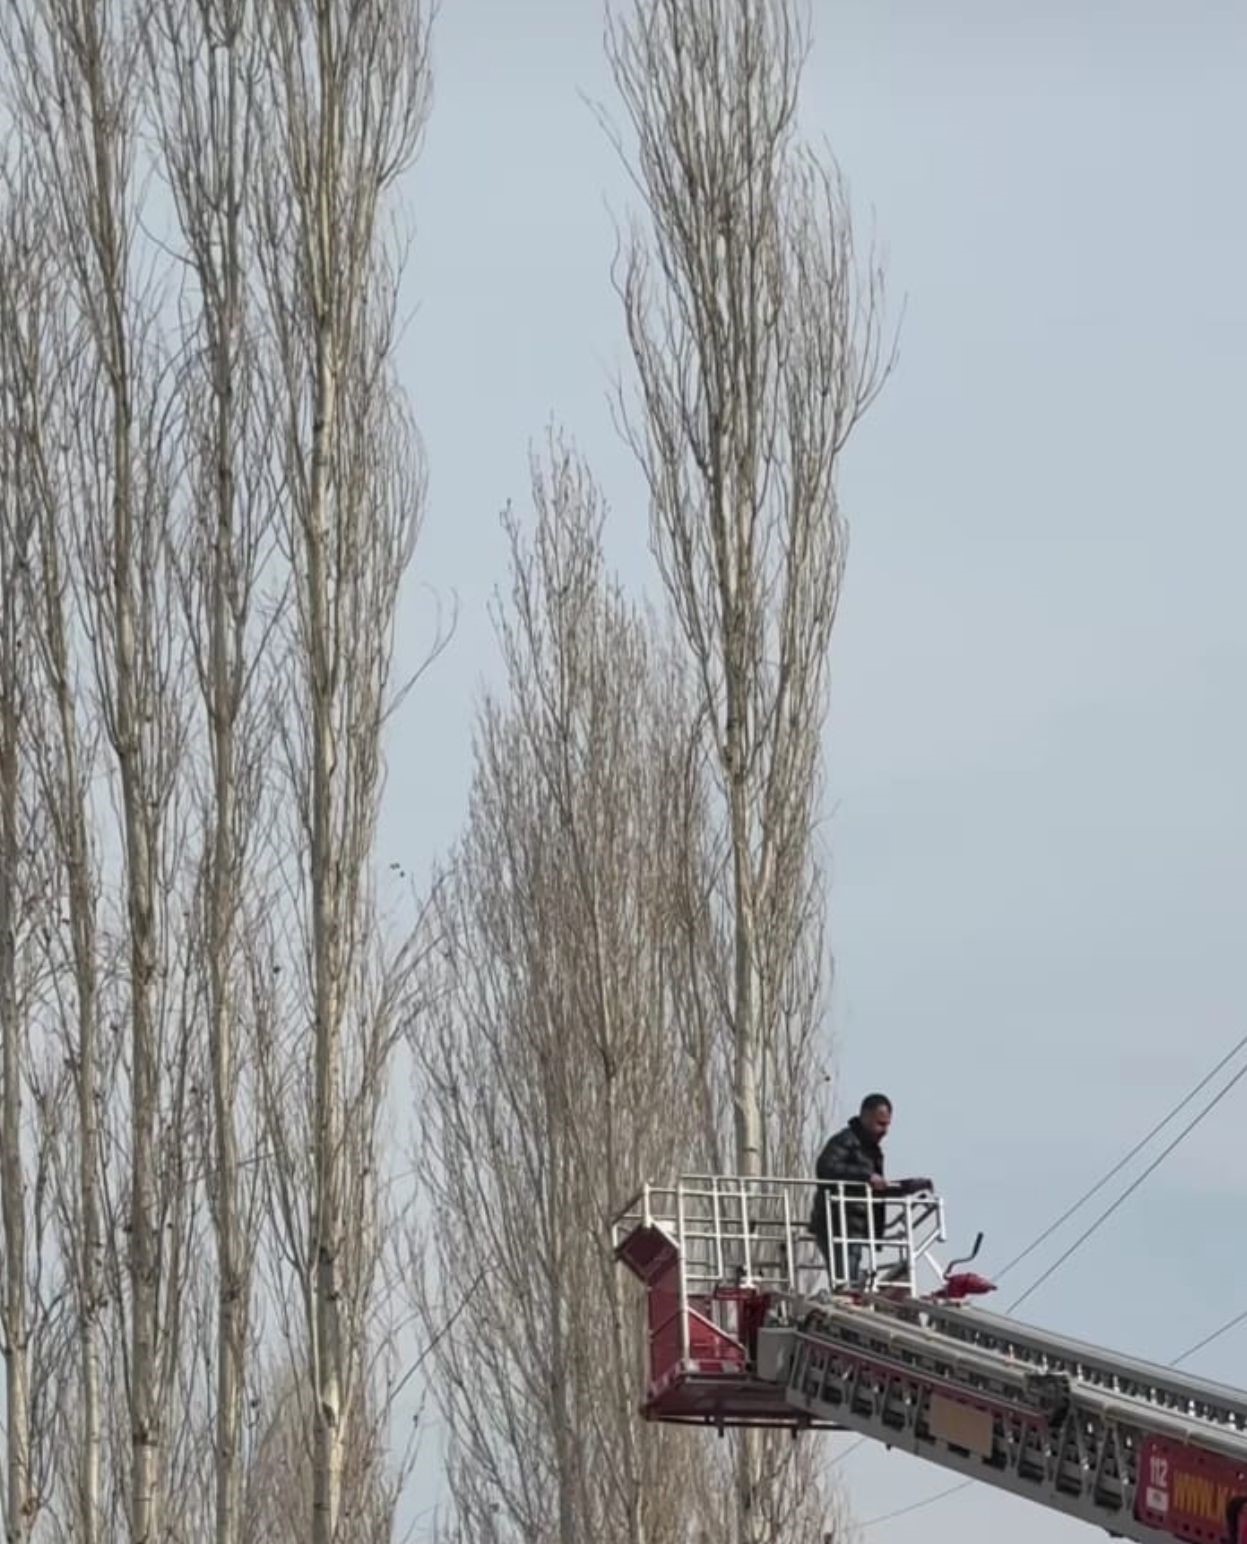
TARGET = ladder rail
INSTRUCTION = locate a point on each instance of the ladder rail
(1096, 1365)
(1092, 1366)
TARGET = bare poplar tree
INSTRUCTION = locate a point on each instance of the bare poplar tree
(36, 1293)
(37, 357)
(551, 1061)
(757, 344)
(195, 455)
(205, 59)
(345, 93)
(73, 82)
(16, 898)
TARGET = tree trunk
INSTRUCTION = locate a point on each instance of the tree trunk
(70, 823)
(129, 712)
(18, 1509)
(145, 1436)
(746, 1018)
(624, 1366)
(231, 1299)
(233, 1285)
(329, 1415)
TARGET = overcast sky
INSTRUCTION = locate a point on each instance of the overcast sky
(1036, 749)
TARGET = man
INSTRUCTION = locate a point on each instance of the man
(854, 1157)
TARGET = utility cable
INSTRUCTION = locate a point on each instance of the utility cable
(1131, 1188)
(1122, 1162)
(1199, 1345)
(916, 1506)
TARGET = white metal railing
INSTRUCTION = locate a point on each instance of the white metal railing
(754, 1231)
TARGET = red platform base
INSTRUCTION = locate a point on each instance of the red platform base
(722, 1400)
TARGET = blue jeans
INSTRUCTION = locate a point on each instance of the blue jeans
(837, 1272)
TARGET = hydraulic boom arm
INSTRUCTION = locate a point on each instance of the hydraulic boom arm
(1121, 1444)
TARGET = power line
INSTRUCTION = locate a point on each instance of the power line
(1199, 1345)
(917, 1506)
(1130, 1189)
(1122, 1162)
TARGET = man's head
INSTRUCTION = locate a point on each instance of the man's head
(876, 1116)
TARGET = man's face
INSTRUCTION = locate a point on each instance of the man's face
(876, 1122)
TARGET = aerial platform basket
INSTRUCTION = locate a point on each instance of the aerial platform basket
(749, 1325)
(728, 1263)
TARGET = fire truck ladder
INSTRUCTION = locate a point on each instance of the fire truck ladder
(739, 1336)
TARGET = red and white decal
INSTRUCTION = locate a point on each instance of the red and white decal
(1191, 1494)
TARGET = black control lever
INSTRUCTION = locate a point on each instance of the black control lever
(973, 1255)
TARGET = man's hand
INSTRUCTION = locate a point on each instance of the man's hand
(877, 1182)
(913, 1187)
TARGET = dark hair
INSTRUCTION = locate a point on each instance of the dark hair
(876, 1102)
